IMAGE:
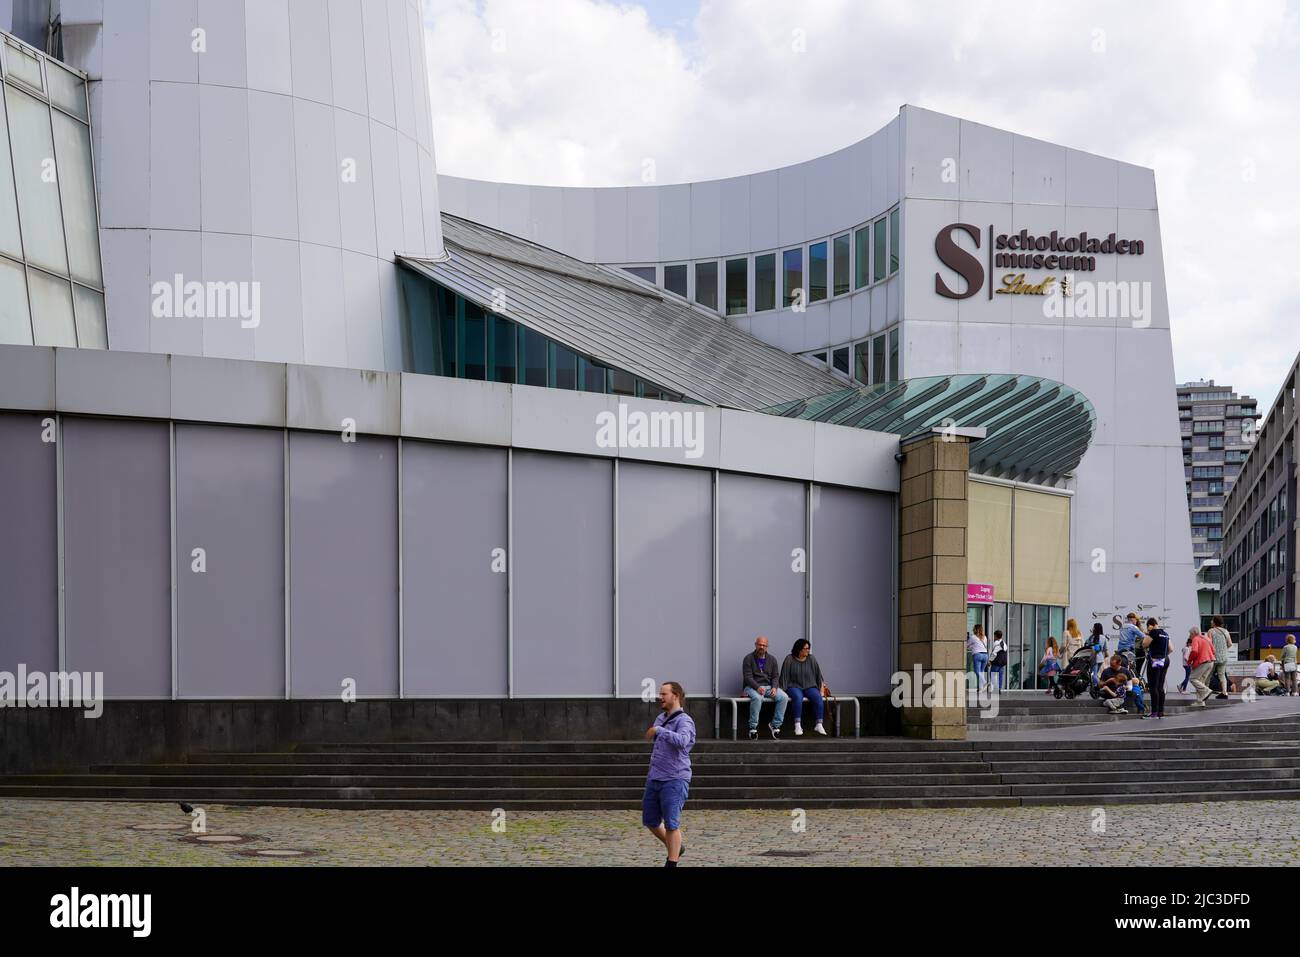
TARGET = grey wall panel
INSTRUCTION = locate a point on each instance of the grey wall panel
(454, 501)
(760, 523)
(563, 579)
(665, 577)
(29, 551)
(852, 575)
(343, 544)
(117, 552)
(230, 617)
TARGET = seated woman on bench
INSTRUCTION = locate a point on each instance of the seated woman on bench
(801, 677)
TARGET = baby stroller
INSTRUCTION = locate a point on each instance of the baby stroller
(1076, 677)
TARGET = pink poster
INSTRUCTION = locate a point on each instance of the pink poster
(979, 594)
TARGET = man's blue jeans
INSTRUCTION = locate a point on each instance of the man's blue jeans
(812, 694)
(756, 699)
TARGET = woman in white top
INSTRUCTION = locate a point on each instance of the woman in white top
(1072, 643)
(979, 652)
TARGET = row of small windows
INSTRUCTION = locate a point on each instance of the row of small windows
(808, 273)
(867, 362)
(448, 335)
(1269, 566)
(1271, 518)
(1272, 607)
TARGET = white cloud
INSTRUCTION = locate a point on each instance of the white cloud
(582, 92)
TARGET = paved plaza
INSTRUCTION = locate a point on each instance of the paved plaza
(84, 833)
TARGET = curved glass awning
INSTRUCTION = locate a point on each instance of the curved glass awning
(1037, 429)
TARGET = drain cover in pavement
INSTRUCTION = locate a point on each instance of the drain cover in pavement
(787, 853)
(283, 853)
(218, 839)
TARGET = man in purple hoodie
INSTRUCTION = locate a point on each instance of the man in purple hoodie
(673, 734)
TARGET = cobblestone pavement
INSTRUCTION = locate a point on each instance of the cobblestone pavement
(76, 833)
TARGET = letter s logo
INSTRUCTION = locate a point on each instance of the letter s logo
(959, 261)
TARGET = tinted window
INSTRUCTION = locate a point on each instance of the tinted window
(473, 341)
(737, 286)
(816, 272)
(792, 271)
(879, 240)
(564, 368)
(503, 350)
(675, 279)
(862, 362)
(893, 242)
(861, 260)
(841, 357)
(765, 282)
(532, 348)
(706, 284)
(842, 280)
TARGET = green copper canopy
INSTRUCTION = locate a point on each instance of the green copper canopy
(1037, 429)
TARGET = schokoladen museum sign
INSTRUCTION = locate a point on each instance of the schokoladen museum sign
(1018, 252)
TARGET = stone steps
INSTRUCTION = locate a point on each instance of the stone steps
(1251, 760)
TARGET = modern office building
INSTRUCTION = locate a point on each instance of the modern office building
(343, 426)
(1259, 577)
(1218, 429)
(917, 252)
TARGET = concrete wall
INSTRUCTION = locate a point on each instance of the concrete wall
(286, 143)
(470, 540)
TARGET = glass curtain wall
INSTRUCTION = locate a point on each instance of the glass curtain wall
(51, 278)
(447, 335)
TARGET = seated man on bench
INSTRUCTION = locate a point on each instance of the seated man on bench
(758, 676)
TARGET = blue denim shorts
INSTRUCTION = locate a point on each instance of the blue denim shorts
(662, 803)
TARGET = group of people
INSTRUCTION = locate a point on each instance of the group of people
(1140, 663)
(990, 660)
(799, 678)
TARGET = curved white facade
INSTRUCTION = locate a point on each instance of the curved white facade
(283, 145)
(1130, 542)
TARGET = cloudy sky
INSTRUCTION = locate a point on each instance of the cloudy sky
(580, 92)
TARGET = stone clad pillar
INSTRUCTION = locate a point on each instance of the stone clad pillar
(932, 574)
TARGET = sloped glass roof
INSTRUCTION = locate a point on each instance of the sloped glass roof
(1037, 430)
(619, 321)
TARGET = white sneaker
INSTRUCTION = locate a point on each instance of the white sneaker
(819, 729)
(798, 729)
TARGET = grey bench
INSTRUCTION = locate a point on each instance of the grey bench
(837, 702)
